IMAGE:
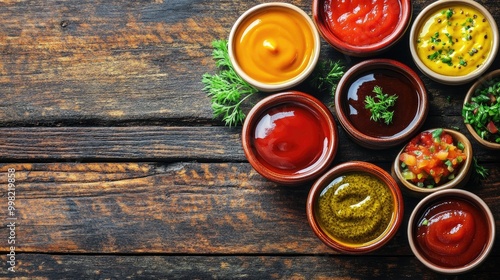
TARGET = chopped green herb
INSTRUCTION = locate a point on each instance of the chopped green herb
(480, 170)
(436, 134)
(379, 109)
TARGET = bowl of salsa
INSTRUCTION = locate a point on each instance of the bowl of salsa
(274, 46)
(362, 28)
(481, 110)
(434, 160)
(381, 103)
(454, 42)
(290, 137)
(451, 231)
(355, 208)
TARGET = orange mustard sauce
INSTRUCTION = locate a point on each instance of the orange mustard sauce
(274, 45)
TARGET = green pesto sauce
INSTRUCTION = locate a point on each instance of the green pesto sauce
(355, 208)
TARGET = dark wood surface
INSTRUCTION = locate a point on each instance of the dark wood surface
(122, 172)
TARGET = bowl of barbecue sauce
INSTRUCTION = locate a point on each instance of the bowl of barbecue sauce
(381, 103)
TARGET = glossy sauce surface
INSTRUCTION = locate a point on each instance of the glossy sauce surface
(452, 232)
(455, 40)
(355, 208)
(290, 138)
(360, 23)
(274, 45)
(392, 83)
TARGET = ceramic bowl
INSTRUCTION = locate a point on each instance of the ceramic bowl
(436, 46)
(323, 10)
(372, 198)
(477, 86)
(274, 46)
(461, 177)
(444, 204)
(393, 78)
(290, 137)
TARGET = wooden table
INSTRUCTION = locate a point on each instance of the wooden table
(122, 172)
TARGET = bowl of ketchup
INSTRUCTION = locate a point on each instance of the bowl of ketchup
(451, 231)
(362, 28)
(290, 137)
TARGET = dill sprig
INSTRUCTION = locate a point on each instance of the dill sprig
(226, 89)
(379, 109)
(327, 74)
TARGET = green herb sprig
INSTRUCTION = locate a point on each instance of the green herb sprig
(380, 109)
(327, 74)
(228, 91)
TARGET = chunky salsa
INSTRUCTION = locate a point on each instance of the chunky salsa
(432, 158)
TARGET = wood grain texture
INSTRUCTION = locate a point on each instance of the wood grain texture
(182, 208)
(237, 267)
(122, 172)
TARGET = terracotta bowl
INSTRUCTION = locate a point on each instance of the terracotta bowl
(438, 47)
(444, 204)
(274, 47)
(393, 78)
(478, 86)
(461, 177)
(322, 11)
(334, 192)
(290, 137)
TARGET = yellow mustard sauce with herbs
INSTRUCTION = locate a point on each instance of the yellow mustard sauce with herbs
(356, 208)
(455, 41)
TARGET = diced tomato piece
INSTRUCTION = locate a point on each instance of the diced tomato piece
(492, 128)
(446, 138)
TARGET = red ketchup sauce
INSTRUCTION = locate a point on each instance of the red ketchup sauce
(290, 138)
(392, 83)
(452, 232)
(362, 22)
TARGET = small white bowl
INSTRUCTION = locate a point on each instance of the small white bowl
(299, 17)
(421, 19)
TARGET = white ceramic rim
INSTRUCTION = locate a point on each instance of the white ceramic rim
(477, 201)
(290, 82)
(454, 80)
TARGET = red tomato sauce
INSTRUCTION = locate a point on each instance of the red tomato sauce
(362, 22)
(290, 138)
(452, 232)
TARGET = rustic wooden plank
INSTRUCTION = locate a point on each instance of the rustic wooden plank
(88, 62)
(47, 266)
(166, 143)
(182, 208)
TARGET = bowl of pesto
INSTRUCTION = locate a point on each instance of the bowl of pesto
(454, 42)
(355, 208)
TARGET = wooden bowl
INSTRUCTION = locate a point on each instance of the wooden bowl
(478, 85)
(435, 64)
(394, 78)
(274, 53)
(290, 137)
(474, 221)
(460, 180)
(334, 194)
(322, 12)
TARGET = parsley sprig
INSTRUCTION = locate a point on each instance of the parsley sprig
(228, 91)
(380, 109)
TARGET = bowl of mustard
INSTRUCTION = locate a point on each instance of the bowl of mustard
(355, 208)
(454, 42)
(274, 46)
